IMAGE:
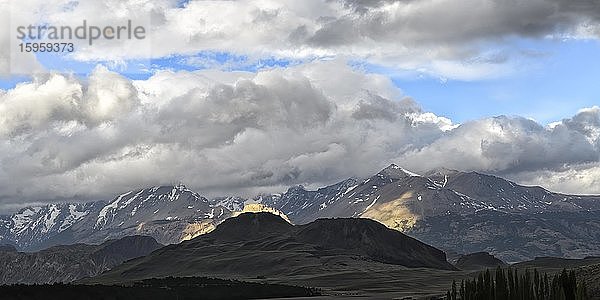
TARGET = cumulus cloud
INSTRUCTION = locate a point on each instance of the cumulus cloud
(563, 156)
(64, 138)
(507, 145)
(578, 179)
(438, 37)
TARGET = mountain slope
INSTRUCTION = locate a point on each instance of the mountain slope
(514, 237)
(370, 239)
(72, 262)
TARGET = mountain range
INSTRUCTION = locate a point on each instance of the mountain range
(170, 214)
(455, 211)
(400, 198)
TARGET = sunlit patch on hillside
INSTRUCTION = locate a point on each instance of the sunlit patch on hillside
(258, 207)
(394, 214)
(193, 230)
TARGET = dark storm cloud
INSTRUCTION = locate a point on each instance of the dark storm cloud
(421, 22)
(376, 107)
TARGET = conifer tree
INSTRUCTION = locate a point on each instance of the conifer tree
(510, 285)
(517, 291)
(581, 292)
(546, 287)
(454, 292)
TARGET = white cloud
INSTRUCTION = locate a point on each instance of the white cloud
(108, 95)
(578, 179)
(33, 105)
(505, 145)
(218, 132)
(449, 39)
(240, 133)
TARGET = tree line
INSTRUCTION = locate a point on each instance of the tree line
(509, 284)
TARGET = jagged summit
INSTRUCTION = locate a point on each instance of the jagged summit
(396, 172)
(162, 202)
(180, 186)
(296, 188)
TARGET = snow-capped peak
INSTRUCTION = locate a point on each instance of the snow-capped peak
(397, 171)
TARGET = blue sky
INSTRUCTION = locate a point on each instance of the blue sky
(547, 87)
(553, 87)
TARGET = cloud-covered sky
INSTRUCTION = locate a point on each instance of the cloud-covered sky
(445, 38)
(241, 97)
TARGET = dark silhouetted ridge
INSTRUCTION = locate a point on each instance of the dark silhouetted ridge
(114, 252)
(249, 226)
(66, 263)
(373, 240)
(263, 244)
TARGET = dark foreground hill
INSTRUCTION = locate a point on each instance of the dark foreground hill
(70, 262)
(151, 289)
(265, 246)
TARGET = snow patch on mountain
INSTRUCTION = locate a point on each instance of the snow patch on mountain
(102, 219)
(22, 219)
(74, 216)
(50, 219)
